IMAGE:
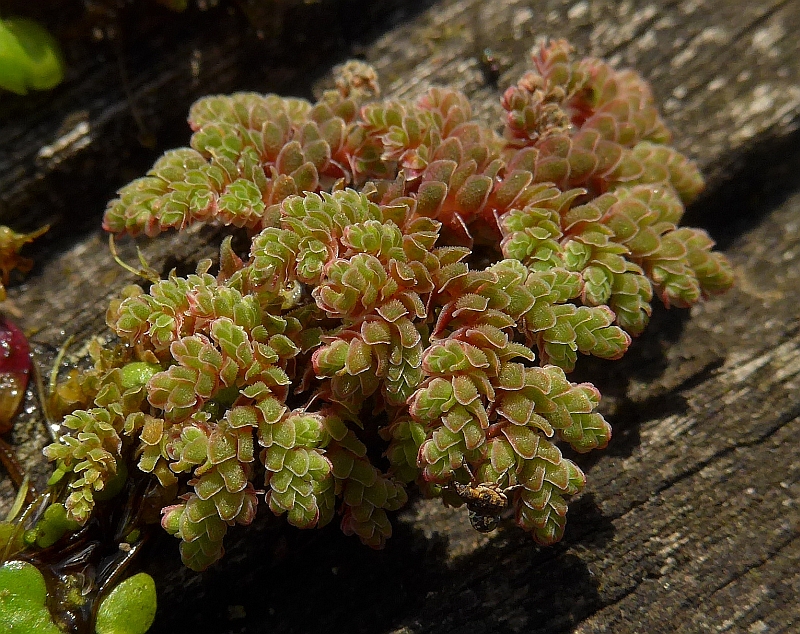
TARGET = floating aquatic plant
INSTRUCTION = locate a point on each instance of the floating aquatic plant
(417, 289)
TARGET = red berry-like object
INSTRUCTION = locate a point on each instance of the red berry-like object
(15, 369)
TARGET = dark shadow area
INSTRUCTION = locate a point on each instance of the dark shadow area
(275, 578)
(644, 358)
(586, 524)
(645, 361)
(513, 585)
(758, 181)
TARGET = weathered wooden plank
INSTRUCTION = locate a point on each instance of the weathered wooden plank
(690, 520)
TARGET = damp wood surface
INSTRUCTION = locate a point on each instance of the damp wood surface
(690, 521)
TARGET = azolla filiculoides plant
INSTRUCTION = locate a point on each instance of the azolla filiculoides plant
(417, 289)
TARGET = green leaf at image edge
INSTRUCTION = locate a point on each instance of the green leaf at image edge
(30, 57)
(22, 600)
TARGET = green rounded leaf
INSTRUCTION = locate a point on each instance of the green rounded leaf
(53, 525)
(29, 57)
(130, 608)
(22, 600)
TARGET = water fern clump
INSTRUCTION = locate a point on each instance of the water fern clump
(417, 289)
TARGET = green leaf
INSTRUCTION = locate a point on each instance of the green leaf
(130, 608)
(22, 600)
(29, 57)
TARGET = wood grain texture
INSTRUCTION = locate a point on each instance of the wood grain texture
(691, 520)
